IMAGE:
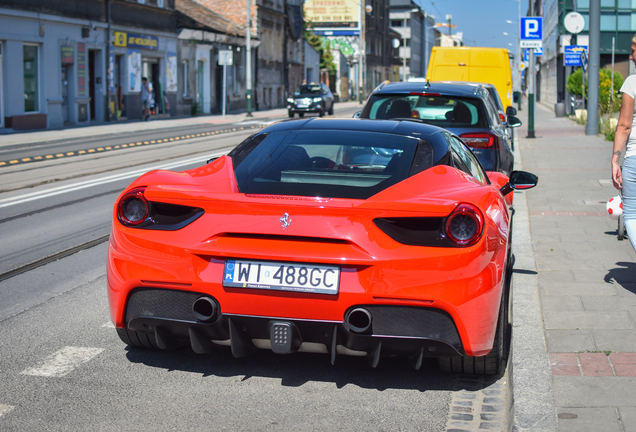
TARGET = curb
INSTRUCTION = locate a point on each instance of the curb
(531, 377)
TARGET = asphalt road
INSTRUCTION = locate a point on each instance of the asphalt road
(64, 368)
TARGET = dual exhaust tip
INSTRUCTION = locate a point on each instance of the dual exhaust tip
(359, 320)
(206, 309)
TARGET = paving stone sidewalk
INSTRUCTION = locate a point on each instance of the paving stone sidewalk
(586, 276)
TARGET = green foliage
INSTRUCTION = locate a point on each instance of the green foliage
(605, 84)
(326, 58)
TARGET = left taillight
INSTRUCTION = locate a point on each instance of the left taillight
(478, 139)
(465, 225)
(133, 209)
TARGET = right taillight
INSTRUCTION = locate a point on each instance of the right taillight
(465, 225)
(478, 139)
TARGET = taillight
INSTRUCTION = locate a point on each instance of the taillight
(415, 114)
(465, 225)
(132, 209)
(478, 139)
(502, 117)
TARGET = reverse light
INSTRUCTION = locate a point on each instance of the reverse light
(465, 225)
(132, 209)
(478, 139)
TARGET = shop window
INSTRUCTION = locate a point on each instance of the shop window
(30, 73)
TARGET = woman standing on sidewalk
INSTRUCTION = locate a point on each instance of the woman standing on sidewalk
(625, 136)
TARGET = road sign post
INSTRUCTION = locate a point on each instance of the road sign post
(531, 36)
(225, 60)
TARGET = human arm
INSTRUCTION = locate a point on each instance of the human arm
(623, 129)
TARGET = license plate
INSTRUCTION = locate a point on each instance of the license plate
(302, 105)
(282, 276)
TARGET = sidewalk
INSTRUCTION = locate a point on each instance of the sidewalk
(585, 282)
(16, 138)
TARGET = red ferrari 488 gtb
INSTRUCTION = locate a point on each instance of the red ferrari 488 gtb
(354, 237)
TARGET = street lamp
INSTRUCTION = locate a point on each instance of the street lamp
(407, 14)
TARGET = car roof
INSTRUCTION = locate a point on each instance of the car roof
(457, 88)
(411, 128)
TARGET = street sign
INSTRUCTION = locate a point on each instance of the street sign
(531, 29)
(225, 57)
(538, 52)
(572, 55)
(531, 44)
(584, 60)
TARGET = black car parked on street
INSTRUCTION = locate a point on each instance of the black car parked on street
(465, 109)
(310, 98)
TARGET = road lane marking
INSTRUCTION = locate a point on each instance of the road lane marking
(63, 361)
(33, 196)
(4, 409)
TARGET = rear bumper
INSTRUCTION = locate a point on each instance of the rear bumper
(394, 330)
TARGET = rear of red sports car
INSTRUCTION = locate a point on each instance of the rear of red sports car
(339, 237)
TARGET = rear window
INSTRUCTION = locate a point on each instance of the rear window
(443, 111)
(337, 164)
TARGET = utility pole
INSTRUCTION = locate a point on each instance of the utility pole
(593, 81)
(248, 60)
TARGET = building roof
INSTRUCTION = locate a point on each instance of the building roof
(206, 17)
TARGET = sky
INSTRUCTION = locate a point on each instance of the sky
(483, 22)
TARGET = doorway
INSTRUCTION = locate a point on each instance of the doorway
(66, 77)
(91, 82)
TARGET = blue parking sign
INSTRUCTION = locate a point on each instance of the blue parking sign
(531, 28)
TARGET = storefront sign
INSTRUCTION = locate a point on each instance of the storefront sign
(81, 69)
(68, 54)
(333, 14)
(130, 40)
(111, 70)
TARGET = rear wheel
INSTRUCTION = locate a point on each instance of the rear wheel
(491, 363)
(137, 339)
(290, 114)
(300, 114)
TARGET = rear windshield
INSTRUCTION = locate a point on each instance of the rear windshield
(308, 89)
(337, 164)
(443, 111)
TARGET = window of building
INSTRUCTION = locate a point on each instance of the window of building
(184, 74)
(626, 4)
(624, 22)
(30, 73)
(396, 23)
(160, 3)
(582, 4)
(608, 22)
(608, 3)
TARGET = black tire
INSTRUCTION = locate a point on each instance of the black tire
(491, 363)
(322, 111)
(621, 228)
(330, 112)
(301, 115)
(290, 114)
(137, 339)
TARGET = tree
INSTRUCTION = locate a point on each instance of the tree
(326, 58)
(605, 84)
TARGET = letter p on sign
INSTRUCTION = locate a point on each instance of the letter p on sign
(531, 28)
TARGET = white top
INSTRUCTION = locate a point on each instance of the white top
(629, 88)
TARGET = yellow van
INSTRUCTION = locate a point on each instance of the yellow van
(474, 64)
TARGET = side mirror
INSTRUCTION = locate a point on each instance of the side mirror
(513, 121)
(519, 180)
(511, 111)
(357, 115)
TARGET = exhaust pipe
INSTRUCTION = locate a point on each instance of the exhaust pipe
(359, 320)
(205, 309)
